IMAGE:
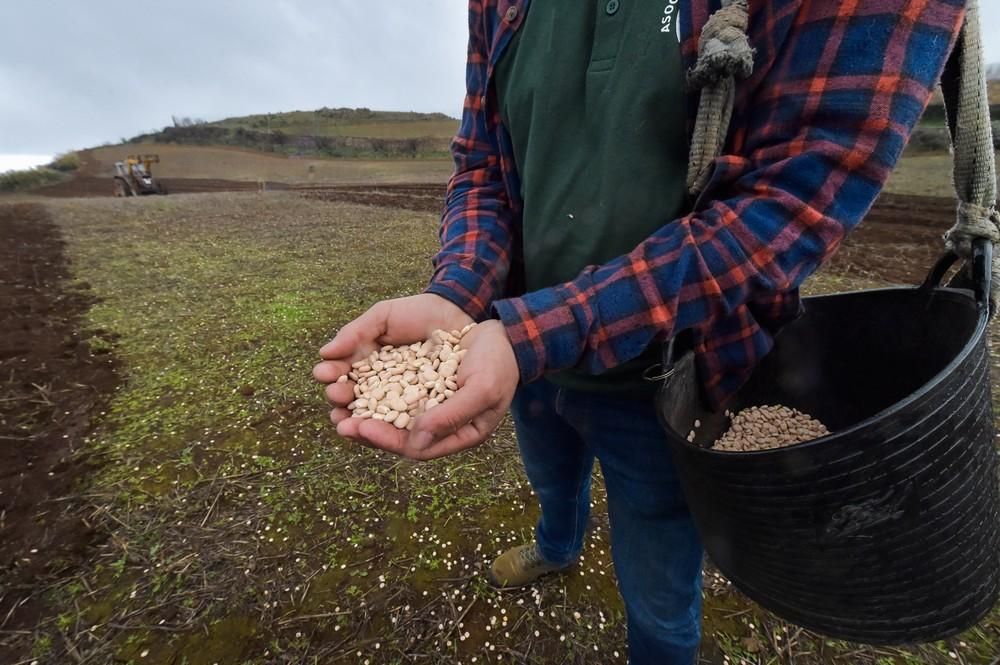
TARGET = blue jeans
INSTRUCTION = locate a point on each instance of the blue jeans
(656, 550)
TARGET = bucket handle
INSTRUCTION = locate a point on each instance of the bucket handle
(981, 273)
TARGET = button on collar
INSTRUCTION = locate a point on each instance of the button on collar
(612, 7)
(512, 14)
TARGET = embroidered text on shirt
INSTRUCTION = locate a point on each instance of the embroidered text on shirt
(670, 19)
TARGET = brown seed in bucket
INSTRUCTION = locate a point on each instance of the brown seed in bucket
(769, 427)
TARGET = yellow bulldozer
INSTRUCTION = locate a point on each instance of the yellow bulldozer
(134, 176)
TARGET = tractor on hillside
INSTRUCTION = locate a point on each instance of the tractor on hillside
(133, 177)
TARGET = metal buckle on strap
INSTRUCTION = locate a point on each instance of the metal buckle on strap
(671, 353)
(655, 373)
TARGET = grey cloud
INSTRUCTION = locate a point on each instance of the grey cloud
(79, 72)
(75, 74)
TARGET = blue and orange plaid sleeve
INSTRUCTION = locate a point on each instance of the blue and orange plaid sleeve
(807, 157)
(472, 265)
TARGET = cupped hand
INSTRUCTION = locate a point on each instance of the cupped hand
(487, 379)
(397, 322)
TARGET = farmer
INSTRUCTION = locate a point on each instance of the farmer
(570, 235)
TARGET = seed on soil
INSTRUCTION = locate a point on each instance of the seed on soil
(398, 384)
(765, 428)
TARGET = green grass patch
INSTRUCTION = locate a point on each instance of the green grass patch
(331, 133)
(235, 526)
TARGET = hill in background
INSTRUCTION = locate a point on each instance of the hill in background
(326, 132)
(364, 133)
(993, 72)
(361, 122)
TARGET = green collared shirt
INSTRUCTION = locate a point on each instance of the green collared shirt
(592, 94)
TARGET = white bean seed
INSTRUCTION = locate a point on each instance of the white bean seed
(397, 384)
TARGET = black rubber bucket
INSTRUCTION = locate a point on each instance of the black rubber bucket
(888, 530)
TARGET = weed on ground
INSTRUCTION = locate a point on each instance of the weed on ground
(238, 528)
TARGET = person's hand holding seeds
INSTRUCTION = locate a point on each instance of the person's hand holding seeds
(387, 370)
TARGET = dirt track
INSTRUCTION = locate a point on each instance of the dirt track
(422, 198)
(50, 387)
(93, 186)
(899, 241)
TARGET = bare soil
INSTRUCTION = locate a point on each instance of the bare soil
(421, 198)
(236, 164)
(51, 385)
(899, 240)
(85, 186)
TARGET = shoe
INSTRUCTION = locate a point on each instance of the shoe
(520, 566)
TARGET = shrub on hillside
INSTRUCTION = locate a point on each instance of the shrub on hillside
(346, 114)
(20, 181)
(66, 162)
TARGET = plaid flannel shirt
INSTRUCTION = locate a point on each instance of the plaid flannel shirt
(836, 90)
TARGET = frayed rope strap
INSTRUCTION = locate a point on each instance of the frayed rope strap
(964, 85)
(724, 54)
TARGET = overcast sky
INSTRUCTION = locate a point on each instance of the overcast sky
(78, 73)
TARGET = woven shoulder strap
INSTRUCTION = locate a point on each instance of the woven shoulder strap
(963, 85)
(724, 54)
